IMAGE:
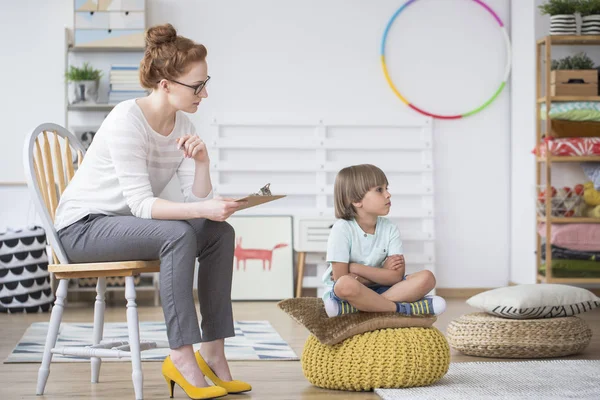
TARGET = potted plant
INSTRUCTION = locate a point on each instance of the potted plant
(83, 84)
(574, 76)
(590, 16)
(562, 16)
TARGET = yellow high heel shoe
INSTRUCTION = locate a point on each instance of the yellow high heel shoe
(173, 376)
(231, 386)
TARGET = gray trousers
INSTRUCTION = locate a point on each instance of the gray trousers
(101, 238)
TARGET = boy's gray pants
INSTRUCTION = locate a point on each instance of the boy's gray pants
(101, 238)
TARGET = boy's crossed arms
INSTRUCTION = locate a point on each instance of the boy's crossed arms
(372, 289)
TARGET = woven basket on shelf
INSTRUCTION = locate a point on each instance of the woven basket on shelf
(568, 129)
(485, 335)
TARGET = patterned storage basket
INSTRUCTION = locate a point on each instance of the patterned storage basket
(24, 277)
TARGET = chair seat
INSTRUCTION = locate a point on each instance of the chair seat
(94, 270)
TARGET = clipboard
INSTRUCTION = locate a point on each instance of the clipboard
(257, 200)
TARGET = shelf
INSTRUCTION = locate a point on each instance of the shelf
(544, 51)
(90, 107)
(570, 39)
(574, 159)
(569, 98)
(83, 49)
(541, 278)
(570, 220)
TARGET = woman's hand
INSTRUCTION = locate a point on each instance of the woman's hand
(394, 262)
(218, 209)
(193, 147)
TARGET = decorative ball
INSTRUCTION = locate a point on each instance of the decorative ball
(386, 358)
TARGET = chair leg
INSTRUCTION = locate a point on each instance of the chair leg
(301, 262)
(133, 329)
(55, 318)
(98, 326)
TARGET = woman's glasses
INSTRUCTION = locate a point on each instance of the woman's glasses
(197, 88)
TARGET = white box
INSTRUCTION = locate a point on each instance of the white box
(121, 5)
(91, 20)
(127, 20)
(86, 5)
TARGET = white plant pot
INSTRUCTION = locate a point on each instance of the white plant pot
(83, 92)
(590, 25)
(563, 24)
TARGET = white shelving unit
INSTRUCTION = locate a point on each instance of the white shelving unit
(301, 157)
(103, 16)
(100, 58)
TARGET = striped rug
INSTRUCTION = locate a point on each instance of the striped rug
(254, 340)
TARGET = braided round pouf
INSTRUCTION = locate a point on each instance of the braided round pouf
(485, 335)
(385, 358)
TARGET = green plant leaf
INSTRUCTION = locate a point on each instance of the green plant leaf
(85, 73)
(577, 61)
(556, 7)
(588, 7)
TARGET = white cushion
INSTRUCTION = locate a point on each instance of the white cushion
(535, 301)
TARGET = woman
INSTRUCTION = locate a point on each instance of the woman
(110, 210)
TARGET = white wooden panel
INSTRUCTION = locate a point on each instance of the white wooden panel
(300, 157)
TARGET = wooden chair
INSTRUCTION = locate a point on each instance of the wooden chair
(48, 173)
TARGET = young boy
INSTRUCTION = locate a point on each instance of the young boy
(367, 267)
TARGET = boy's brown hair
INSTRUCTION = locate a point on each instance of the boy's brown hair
(351, 185)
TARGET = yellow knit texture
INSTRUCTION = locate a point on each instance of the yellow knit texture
(386, 358)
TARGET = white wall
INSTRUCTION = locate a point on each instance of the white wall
(522, 167)
(321, 58)
(31, 67)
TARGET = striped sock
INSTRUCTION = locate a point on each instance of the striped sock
(346, 308)
(420, 307)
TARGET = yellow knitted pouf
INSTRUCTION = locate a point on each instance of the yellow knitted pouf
(386, 358)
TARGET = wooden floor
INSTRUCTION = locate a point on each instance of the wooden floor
(279, 380)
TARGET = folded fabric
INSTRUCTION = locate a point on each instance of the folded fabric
(592, 171)
(573, 111)
(570, 146)
(568, 254)
(583, 237)
(573, 269)
(310, 312)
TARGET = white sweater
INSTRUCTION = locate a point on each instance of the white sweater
(126, 167)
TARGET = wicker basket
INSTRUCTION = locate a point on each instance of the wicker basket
(570, 129)
(485, 335)
(565, 202)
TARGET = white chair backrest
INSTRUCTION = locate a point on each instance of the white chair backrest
(48, 173)
(312, 233)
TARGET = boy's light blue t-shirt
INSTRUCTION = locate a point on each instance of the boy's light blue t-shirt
(350, 244)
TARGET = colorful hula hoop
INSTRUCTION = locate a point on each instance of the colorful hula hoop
(477, 109)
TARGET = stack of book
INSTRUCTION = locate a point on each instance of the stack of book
(125, 83)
